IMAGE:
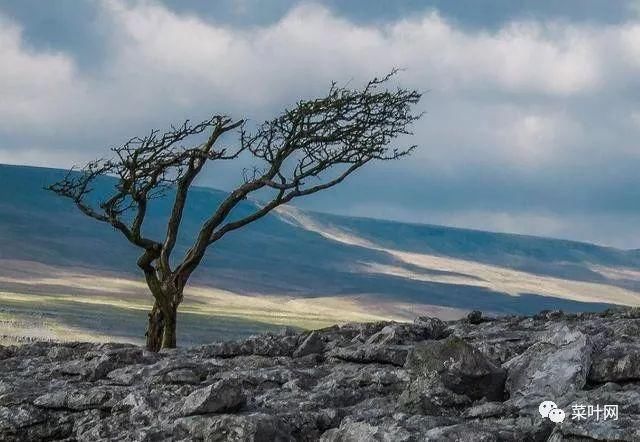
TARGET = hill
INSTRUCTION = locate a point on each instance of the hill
(288, 267)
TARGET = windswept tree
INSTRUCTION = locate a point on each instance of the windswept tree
(309, 148)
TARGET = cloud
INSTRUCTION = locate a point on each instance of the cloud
(537, 112)
(32, 82)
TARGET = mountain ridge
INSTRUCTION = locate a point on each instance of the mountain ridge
(372, 218)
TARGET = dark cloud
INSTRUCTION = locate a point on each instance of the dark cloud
(469, 13)
(531, 128)
(76, 27)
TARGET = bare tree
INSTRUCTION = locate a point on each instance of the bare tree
(309, 148)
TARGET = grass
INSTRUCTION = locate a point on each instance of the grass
(76, 307)
(498, 279)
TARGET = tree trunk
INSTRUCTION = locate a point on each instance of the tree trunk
(169, 332)
(155, 328)
(161, 328)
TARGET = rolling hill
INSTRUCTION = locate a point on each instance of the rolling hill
(292, 267)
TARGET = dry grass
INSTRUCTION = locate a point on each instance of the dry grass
(71, 305)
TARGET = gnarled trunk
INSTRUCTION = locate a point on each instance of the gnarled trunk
(169, 330)
(155, 328)
(161, 327)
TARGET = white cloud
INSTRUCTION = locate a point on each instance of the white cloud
(521, 58)
(32, 84)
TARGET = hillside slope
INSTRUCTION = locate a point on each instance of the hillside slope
(383, 266)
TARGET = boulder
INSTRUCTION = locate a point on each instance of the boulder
(401, 334)
(251, 427)
(362, 431)
(490, 430)
(370, 353)
(182, 376)
(265, 345)
(429, 396)
(618, 362)
(460, 367)
(475, 317)
(431, 328)
(226, 395)
(312, 344)
(13, 419)
(488, 409)
(596, 427)
(549, 369)
(77, 399)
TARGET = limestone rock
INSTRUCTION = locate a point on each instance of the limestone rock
(617, 362)
(386, 381)
(372, 353)
(460, 367)
(552, 368)
(252, 427)
(221, 396)
(312, 344)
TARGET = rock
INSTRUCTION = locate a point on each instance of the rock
(390, 335)
(460, 368)
(431, 328)
(219, 397)
(616, 363)
(429, 396)
(6, 352)
(489, 409)
(549, 315)
(265, 345)
(385, 381)
(253, 427)
(368, 353)
(96, 366)
(552, 368)
(624, 428)
(288, 331)
(182, 376)
(362, 431)
(76, 399)
(475, 317)
(312, 344)
(27, 423)
(357, 333)
(489, 430)
(400, 334)
(13, 419)
(60, 353)
(500, 349)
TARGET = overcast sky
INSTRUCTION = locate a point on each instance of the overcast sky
(533, 109)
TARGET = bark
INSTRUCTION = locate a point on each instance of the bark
(155, 328)
(169, 331)
(161, 327)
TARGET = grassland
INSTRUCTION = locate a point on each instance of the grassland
(72, 305)
(452, 271)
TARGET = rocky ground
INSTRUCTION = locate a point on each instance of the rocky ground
(477, 379)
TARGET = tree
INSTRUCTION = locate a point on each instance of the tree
(309, 148)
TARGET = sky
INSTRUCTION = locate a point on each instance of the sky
(532, 120)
